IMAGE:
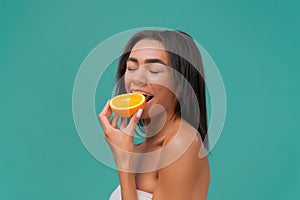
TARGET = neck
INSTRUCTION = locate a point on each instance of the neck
(157, 128)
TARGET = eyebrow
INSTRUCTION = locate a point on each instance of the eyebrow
(149, 60)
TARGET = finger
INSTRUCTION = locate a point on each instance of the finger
(123, 123)
(106, 111)
(104, 116)
(129, 129)
(114, 121)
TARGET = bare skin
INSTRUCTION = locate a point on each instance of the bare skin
(188, 176)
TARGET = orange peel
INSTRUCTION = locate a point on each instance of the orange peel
(125, 105)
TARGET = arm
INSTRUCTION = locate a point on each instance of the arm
(178, 180)
(121, 144)
(128, 186)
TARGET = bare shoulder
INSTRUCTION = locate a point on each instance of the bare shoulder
(187, 140)
(185, 172)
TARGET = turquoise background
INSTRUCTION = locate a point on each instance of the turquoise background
(254, 43)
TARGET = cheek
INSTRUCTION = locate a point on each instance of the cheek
(164, 91)
(165, 84)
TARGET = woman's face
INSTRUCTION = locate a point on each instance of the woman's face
(148, 72)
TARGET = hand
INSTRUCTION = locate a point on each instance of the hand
(119, 140)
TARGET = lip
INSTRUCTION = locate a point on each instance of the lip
(149, 102)
(142, 91)
(145, 93)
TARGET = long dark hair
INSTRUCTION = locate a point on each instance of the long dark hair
(186, 59)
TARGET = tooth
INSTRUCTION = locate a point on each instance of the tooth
(139, 92)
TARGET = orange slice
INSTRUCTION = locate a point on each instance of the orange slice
(125, 105)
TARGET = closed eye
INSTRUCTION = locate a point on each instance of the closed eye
(156, 68)
(154, 72)
(132, 68)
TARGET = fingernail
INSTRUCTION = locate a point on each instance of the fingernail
(139, 113)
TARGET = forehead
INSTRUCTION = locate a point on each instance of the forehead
(148, 44)
(146, 48)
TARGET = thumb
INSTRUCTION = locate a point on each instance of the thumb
(133, 122)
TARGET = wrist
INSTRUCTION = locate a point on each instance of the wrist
(124, 174)
(127, 180)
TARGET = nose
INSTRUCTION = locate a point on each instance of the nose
(139, 78)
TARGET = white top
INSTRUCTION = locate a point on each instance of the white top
(116, 195)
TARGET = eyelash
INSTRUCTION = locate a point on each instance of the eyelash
(133, 69)
(154, 72)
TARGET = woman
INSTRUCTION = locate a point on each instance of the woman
(166, 67)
